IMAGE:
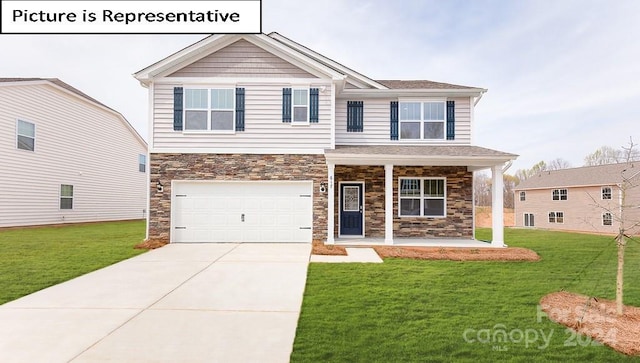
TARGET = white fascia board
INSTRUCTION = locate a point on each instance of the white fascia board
(358, 78)
(257, 151)
(246, 81)
(415, 160)
(568, 186)
(397, 93)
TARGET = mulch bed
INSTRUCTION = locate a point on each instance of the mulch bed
(597, 319)
(150, 244)
(437, 253)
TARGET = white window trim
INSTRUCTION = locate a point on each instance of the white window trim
(208, 109)
(422, 120)
(560, 194)
(523, 196)
(145, 163)
(422, 197)
(602, 219)
(60, 196)
(602, 193)
(293, 91)
(555, 217)
(524, 219)
(34, 135)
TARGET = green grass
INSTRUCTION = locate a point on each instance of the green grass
(418, 311)
(34, 258)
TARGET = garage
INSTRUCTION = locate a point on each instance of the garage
(234, 211)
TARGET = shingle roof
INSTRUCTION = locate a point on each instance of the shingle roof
(59, 83)
(420, 84)
(583, 176)
(419, 150)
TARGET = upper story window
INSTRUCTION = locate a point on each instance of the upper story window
(606, 193)
(300, 105)
(209, 109)
(142, 163)
(559, 194)
(523, 196)
(422, 120)
(25, 135)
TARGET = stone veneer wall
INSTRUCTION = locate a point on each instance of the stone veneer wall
(457, 224)
(245, 167)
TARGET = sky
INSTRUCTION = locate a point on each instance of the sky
(563, 77)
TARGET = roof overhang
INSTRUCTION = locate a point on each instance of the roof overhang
(395, 93)
(472, 157)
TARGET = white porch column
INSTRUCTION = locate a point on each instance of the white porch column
(331, 201)
(497, 203)
(388, 204)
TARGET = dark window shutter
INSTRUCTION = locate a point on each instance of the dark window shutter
(286, 105)
(314, 104)
(451, 120)
(239, 109)
(394, 120)
(355, 116)
(177, 108)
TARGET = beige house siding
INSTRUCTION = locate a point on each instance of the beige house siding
(264, 128)
(77, 143)
(242, 59)
(582, 210)
(377, 123)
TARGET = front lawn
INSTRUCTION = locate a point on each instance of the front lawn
(34, 258)
(418, 311)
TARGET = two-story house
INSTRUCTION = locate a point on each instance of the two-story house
(66, 158)
(586, 199)
(257, 138)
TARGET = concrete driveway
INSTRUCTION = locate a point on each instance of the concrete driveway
(179, 303)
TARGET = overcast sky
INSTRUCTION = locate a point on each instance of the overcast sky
(563, 76)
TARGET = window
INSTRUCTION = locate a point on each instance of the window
(607, 219)
(142, 163)
(606, 193)
(66, 196)
(422, 120)
(26, 135)
(559, 194)
(422, 197)
(556, 217)
(528, 220)
(300, 105)
(209, 109)
(523, 196)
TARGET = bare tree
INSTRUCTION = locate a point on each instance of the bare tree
(558, 164)
(523, 174)
(510, 182)
(608, 155)
(482, 189)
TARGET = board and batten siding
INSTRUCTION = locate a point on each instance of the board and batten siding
(77, 143)
(377, 123)
(242, 59)
(264, 128)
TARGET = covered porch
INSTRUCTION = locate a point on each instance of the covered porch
(379, 177)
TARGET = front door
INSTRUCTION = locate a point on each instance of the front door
(351, 209)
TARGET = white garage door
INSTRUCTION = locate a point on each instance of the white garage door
(242, 211)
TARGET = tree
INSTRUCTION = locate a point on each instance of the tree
(558, 164)
(603, 155)
(523, 174)
(482, 189)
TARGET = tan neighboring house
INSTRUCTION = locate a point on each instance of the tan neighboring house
(256, 138)
(586, 199)
(65, 157)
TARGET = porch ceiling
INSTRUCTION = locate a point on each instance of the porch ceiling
(473, 157)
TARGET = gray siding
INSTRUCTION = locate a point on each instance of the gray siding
(77, 143)
(242, 59)
(376, 123)
(264, 128)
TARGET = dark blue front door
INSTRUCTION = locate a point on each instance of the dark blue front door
(351, 216)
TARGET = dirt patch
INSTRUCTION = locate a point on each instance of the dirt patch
(458, 253)
(483, 217)
(319, 248)
(150, 244)
(597, 319)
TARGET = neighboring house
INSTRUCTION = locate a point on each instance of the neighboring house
(584, 199)
(66, 157)
(256, 138)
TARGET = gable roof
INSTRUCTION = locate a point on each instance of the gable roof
(306, 59)
(77, 93)
(609, 174)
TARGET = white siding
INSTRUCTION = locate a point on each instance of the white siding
(77, 143)
(264, 128)
(377, 123)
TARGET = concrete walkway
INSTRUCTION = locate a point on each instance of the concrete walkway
(180, 303)
(359, 255)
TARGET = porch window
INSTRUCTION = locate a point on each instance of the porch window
(422, 120)
(422, 197)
